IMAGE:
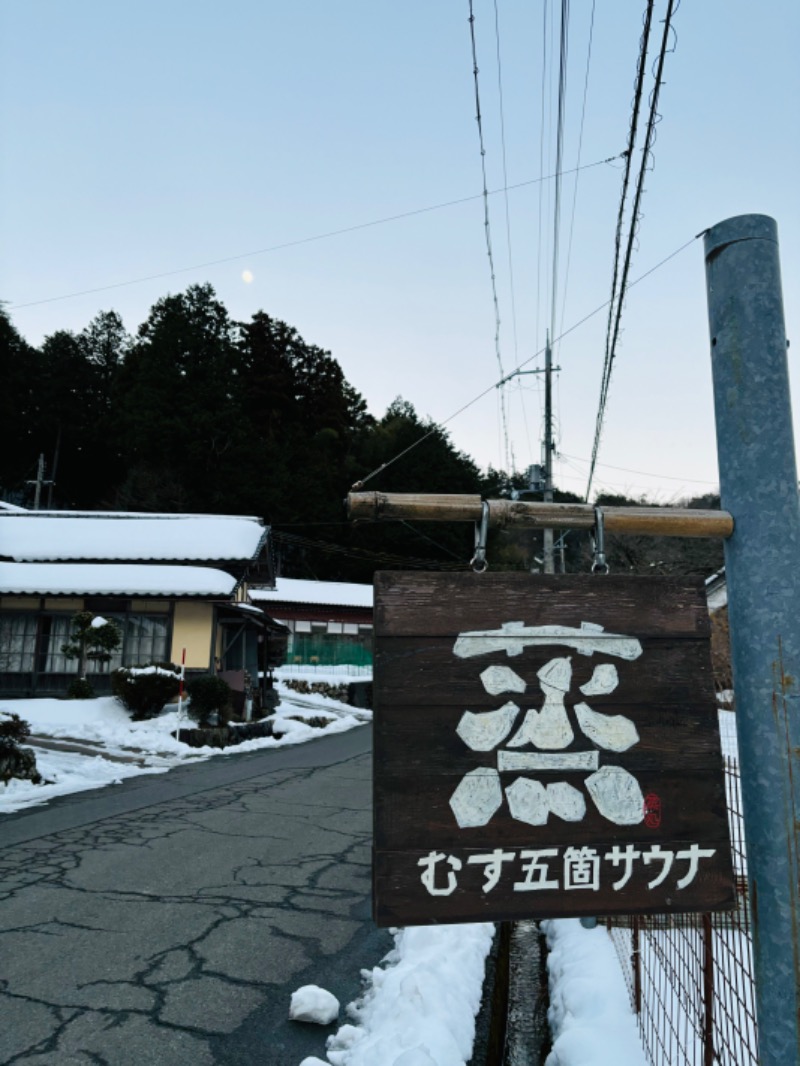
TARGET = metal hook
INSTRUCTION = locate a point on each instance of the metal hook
(599, 565)
(478, 560)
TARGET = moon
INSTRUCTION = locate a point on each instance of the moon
(247, 276)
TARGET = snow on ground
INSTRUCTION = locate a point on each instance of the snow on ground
(66, 772)
(590, 1014)
(419, 1007)
(104, 724)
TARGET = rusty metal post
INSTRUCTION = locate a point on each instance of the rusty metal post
(758, 486)
(708, 991)
(637, 966)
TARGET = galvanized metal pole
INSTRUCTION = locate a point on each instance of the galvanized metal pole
(758, 484)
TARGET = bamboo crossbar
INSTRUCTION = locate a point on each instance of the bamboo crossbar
(523, 514)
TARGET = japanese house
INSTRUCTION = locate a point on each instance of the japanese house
(172, 582)
(329, 622)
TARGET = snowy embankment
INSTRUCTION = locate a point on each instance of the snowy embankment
(419, 1009)
(99, 728)
(590, 1015)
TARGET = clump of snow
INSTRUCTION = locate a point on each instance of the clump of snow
(313, 1004)
(312, 1060)
(99, 622)
(420, 1009)
(590, 1014)
(136, 671)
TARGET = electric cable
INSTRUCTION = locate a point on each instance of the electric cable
(576, 325)
(562, 94)
(616, 313)
(305, 240)
(541, 166)
(580, 148)
(487, 225)
(385, 558)
(645, 473)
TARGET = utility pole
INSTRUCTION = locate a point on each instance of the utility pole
(547, 448)
(758, 486)
(545, 471)
(39, 482)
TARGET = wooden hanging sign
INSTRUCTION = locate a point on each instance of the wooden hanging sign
(545, 747)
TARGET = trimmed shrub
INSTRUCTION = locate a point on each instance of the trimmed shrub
(80, 689)
(208, 695)
(16, 761)
(13, 729)
(143, 690)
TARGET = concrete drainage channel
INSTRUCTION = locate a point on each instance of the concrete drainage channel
(512, 1027)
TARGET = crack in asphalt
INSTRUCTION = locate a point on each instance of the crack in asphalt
(173, 933)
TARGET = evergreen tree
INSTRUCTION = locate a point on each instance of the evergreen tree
(179, 407)
(21, 416)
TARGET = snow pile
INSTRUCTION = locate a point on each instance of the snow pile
(104, 724)
(420, 1010)
(590, 1014)
(313, 1004)
(66, 772)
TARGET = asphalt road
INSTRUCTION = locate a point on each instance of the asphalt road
(167, 920)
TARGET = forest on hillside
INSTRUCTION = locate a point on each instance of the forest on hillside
(199, 413)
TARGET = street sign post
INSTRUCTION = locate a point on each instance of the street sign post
(545, 747)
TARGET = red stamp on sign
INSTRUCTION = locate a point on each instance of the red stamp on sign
(652, 810)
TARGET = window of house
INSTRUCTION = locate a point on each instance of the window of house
(17, 642)
(144, 639)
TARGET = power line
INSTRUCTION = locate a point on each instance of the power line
(613, 337)
(576, 325)
(632, 132)
(541, 166)
(487, 226)
(364, 554)
(578, 163)
(305, 240)
(645, 473)
(505, 177)
(562, 94)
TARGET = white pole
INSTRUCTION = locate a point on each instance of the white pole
(180, 693)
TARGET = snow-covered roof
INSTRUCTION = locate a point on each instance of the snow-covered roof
(4, 506)
(40, 536)
(332, 593)
(113, 579)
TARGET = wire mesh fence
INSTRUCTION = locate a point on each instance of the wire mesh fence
(690, 977)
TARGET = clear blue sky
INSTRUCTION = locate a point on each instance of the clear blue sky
(143, 138)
